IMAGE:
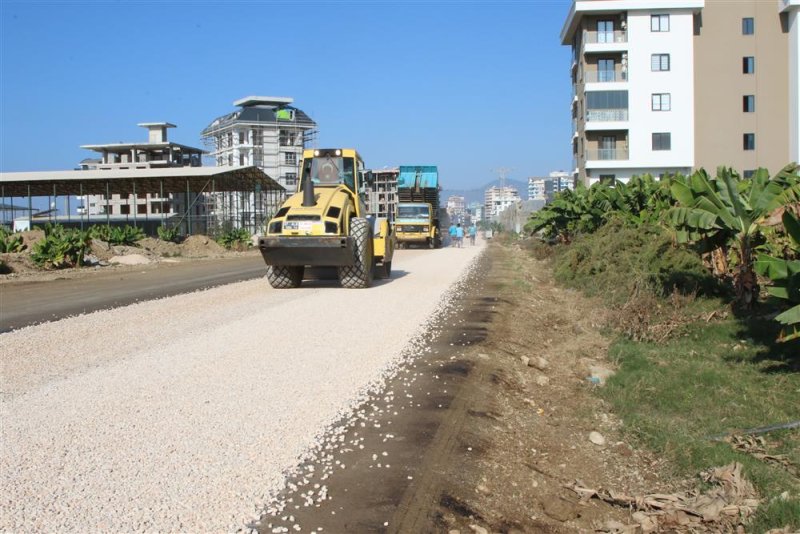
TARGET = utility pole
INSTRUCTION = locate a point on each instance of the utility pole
(502, 173)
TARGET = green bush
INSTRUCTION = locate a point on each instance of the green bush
(618, 261)
(117, 235)
(10, 242)
(236, 238)
(61, 247)
(166, 233)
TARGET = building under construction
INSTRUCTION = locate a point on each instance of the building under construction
(266, 132)
(382, 195)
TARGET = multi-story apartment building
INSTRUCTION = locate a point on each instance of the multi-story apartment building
(156, 153)
(540, 188)
(266, 132)
(497, 199)
(476, 212)
(561, 181)
(545, 188)
(456, 208)
(664, 86)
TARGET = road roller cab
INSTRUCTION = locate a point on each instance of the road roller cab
(325, 224)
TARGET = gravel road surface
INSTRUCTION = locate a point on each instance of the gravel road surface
(184, 413)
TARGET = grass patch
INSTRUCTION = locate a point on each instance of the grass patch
(718, 377)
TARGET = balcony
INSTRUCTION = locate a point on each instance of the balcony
(607, 37)
(607, 154)
(606, 115)
(605, 76)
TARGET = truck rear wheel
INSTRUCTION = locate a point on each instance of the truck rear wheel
(284, 277)
(358, 275)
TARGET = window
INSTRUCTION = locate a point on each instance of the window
(241, 160)
(241, 138)
(605, 31)
(141, 209)
(605, 70)
(125, 209)
(607, 147)
(662, 141)
(608, 179)
(661, 102)
(290, 178)
(607, 106)
(748, 26)
(659, 62)
(659, 23)
(748, 103)
(748, 65)
(290, 158)
(749, 173)
(749, 141)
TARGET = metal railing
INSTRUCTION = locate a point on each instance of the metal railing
(604, 76)
(604, 154)
(595, 37)
(606, 115)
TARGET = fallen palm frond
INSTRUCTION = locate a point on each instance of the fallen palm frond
(729, 503)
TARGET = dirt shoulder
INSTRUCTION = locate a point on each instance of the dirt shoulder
(531, 415)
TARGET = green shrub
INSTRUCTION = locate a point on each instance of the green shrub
(237, 238)
(61, 247)
(117, 235)
(10, 242)
(166, 233)
(619, 261)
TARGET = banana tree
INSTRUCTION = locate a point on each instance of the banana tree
(785, 276)
(727, 211)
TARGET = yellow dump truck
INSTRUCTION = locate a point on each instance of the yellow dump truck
(418, 218)
(325, 224)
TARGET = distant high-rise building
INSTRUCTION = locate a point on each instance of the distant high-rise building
(668, 86)
(497, 199)
(456, 208)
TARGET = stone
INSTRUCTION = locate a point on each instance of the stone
(525, 360)
(482, 489)
(560, 509)
(478, 529)
(539, 363)
(483, 356)
(597, 438)
(542, 380)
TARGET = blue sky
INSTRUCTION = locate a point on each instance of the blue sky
(467, 86)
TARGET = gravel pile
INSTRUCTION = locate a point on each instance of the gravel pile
(186, 413)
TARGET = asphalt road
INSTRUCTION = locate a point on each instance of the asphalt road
(27, 303)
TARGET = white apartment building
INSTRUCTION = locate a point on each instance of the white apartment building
(561, 181)
(497, 199)
(665, 86)
(632, 74)
(545, 188)
(266, 132)
(539, 188)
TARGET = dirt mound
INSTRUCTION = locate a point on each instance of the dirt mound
(31, 237)
(17, 263)
(165, 249)
(100, 249)
(198, 246)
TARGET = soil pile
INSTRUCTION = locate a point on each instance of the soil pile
(199, 246)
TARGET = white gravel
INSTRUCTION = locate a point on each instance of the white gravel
(184, 414)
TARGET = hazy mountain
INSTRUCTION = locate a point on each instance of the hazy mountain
(476, 194)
